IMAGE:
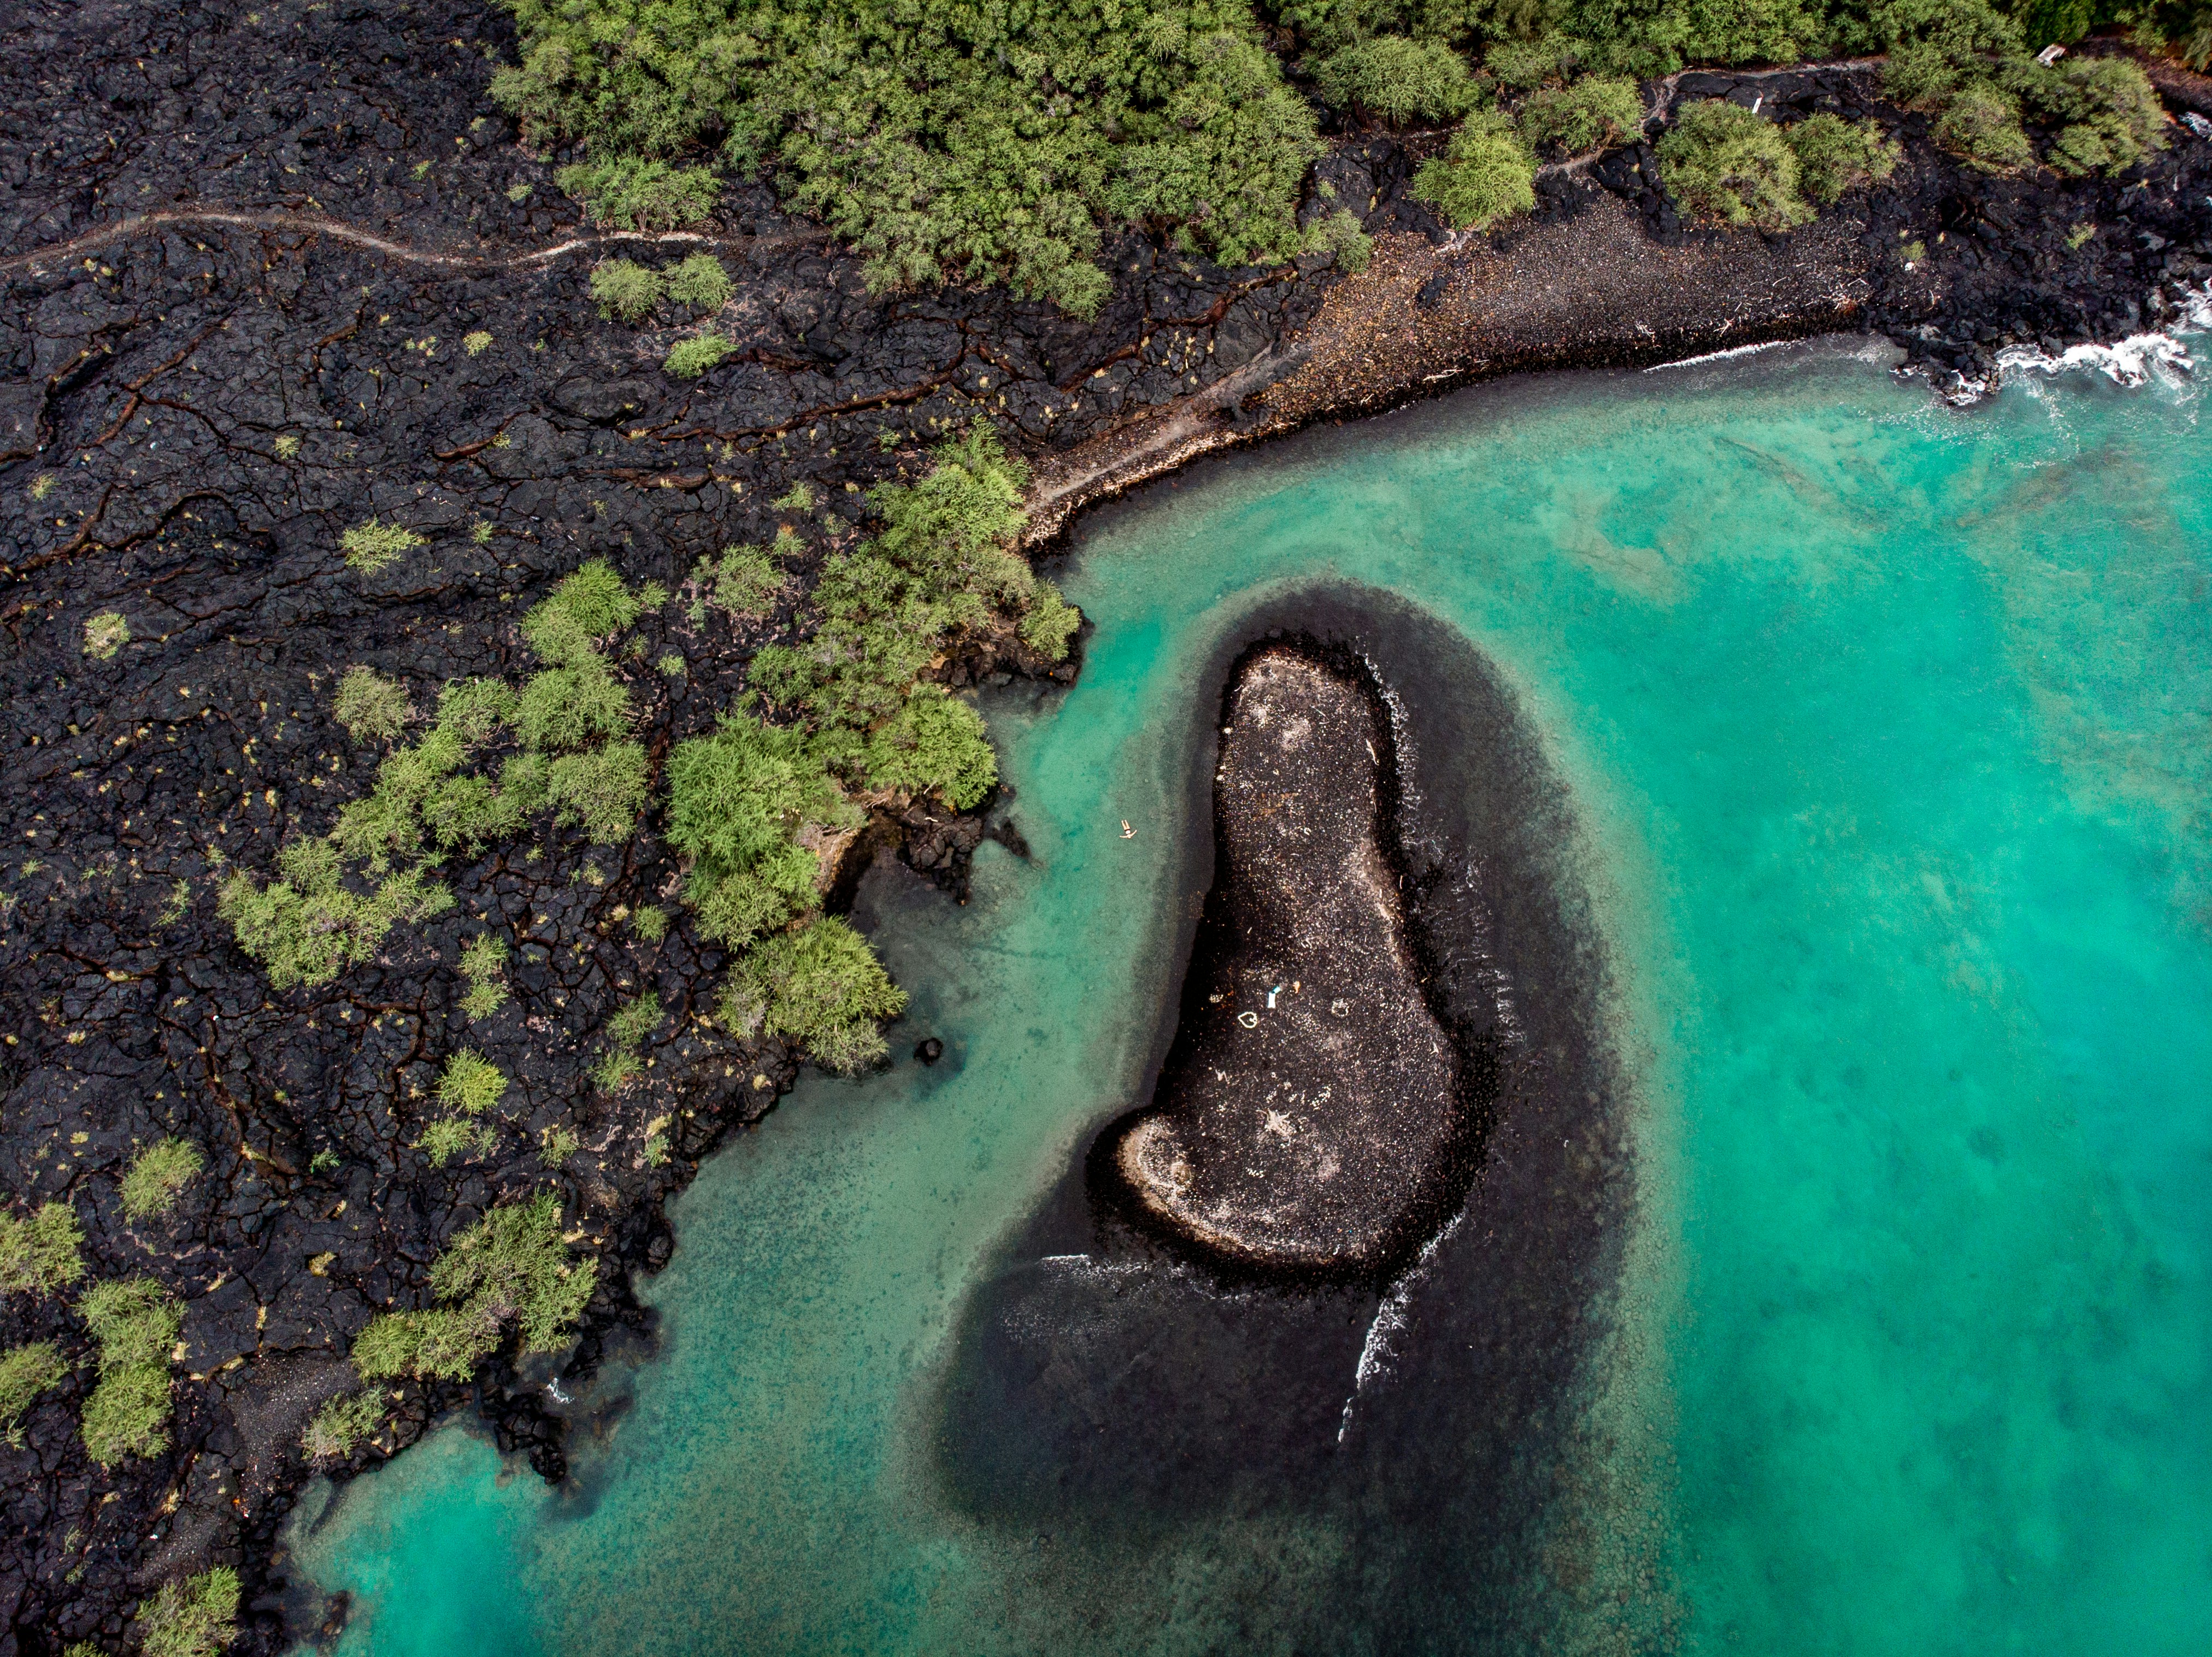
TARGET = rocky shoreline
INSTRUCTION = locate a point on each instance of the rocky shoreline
(246, 261)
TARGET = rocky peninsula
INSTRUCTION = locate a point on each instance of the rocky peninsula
(308, 364)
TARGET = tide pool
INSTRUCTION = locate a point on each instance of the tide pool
(1884, 731)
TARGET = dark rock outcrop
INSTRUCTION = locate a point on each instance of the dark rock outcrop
(1312, 1098)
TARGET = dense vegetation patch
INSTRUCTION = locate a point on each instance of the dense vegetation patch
(134, 1321)
(157, 1177)
(343, 1423)
(947, 139)
(39, 1254)
(509, 1270)
(196, 1617)
(26, 1372)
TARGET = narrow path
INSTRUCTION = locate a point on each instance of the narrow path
(337, 230)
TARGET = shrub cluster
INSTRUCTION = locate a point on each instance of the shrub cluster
(1722, 161)
(196, 1617)
(1583, 114)
(1486, 175)
(945, 139)
(343, 1423)
(567, 727)
(633, 291)
(369, 547)
(625, 1034)
(483, 963)
(372, 708)
(468, 1087)
(134, 1321)
(157, 1177)
(26, 1372)
(509, 1269)
(39, 1255)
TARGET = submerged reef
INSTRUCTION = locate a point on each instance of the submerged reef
(1313, 1096)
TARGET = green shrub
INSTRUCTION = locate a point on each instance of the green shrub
(1721, 162)
(371, 707)
(586, 607)
(799, 498)
(1398, 80)
(104, 634)
(26, 1372)
(604, 791)
(2108, 113)
(1920, 76)
(944, 140)
(823, 987)
(306, 925)
(1523, 65)
(935, 745)
(470, 1083)
(1602, 109)
(557, 1144)
(699, 282)
(368, 548)
(640, 193)
(1341, 237)
(745, 581)
(483, 963)
(625, 1034)
(1834, 155)
(157, 1177)
(451, 1137)
(196, 1617)
(134, 1321)
(476, 343)
(625, 290)
(650, 922)
(39, 1255)
(343, 1423)
(1486, 175)
(687, 359)
(1050, 622)
(737, 799)
(510, 1267)
(1980, 124)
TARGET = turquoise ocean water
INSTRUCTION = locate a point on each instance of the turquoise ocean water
(1887, 730)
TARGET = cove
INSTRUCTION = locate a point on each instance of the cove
(1879, 731)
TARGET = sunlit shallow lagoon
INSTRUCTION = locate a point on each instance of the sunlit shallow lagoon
(1883, 729)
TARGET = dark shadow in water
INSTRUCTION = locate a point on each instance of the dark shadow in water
(1103, 1385)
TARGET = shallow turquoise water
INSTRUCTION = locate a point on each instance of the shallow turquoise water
(1886, 729)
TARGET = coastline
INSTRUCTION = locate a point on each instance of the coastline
(220, 547)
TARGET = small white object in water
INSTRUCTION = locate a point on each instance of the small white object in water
(1128, 834)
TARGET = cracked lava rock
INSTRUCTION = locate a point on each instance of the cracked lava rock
(1312, 1097)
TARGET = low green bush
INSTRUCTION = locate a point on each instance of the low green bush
(157, 1177)
(104, 634)
(699, 281)
(452, 1138)
(471, 1084)
(822, 987)
(26, 1372)
(1050, 622)
(1398, 80)
(342, 1423)
(1834, 155)
(134, 1322)
(509, 1269)
(744, 581)
(687, 359)
(306, 925)
(1341, 237)
(39, 1254)
(1598, 110)
(625, 1034)
(372, 708)
(639, 192)
(196, 1617)
(1486, 175)
(624, 289)
(368, 548)
(483, 963)
(650, 922)
(934, 745)
(1980, 124)
(1722, 161)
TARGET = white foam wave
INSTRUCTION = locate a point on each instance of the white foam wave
(2129, 362)
(1718, 357)
(1392, 1319)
